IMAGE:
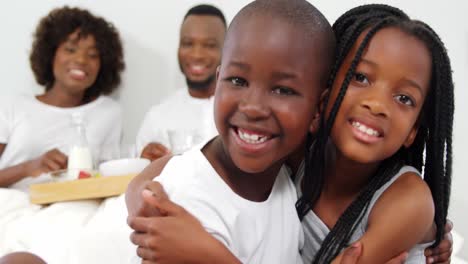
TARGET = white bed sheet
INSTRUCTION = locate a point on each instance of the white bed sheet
(68, 232)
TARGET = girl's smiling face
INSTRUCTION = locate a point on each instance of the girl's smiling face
(267, 91)
(76, 63)
(385, 96)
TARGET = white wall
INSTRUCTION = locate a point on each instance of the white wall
(150, 33)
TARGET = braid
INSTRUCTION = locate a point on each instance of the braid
(341, 233)
(431, 151)
(435, 131)
(438, 169)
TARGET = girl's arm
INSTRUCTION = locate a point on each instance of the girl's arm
(50, 161)
(400, 218)
(136, 206)
(184, 238)
(176, 237)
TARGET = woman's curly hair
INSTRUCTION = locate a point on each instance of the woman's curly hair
(55, 28)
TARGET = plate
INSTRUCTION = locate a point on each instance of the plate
(123, 166)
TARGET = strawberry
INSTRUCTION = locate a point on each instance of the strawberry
(84, 175)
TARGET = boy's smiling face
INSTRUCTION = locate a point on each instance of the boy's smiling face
(267, 90)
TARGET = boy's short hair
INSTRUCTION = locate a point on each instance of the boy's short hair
(55, 28)
(206, 10)
(302, 15)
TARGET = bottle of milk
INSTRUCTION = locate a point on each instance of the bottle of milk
(79, 156)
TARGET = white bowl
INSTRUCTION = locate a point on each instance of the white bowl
(123, 166)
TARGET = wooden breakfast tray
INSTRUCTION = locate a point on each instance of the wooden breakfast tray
(92, 188)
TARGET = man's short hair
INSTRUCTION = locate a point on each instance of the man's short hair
(206, 10)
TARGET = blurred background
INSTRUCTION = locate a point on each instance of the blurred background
(150, 32)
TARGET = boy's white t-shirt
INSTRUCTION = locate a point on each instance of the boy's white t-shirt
(30, 128)
(255, 232)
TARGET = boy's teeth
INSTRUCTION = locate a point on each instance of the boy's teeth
(367, 130)
(251, 138)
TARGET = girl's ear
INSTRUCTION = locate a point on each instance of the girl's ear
(410, 138)
(316, 120)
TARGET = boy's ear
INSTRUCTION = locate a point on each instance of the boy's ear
(323, 97)
(315, 123)
(411, 136)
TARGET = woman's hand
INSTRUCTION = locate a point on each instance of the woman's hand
(52, 160)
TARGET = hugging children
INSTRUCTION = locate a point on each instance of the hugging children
(389, 101)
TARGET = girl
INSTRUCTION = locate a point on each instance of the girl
(355, 183)
(78, 58)
(390, 115)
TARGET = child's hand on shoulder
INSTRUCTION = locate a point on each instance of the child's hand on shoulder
(151, 190)
(152, 194)
(162, 238)
(136, 203)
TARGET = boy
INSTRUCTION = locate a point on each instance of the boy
(265, 98)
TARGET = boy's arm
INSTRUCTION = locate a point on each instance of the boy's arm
(438, 255)
(443, 252)
(399, 219)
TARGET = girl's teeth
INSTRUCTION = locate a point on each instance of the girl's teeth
(364, 129)
(251, 138)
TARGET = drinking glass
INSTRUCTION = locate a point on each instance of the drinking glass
(182, 140)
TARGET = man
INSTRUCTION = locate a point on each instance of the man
(188, 112)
